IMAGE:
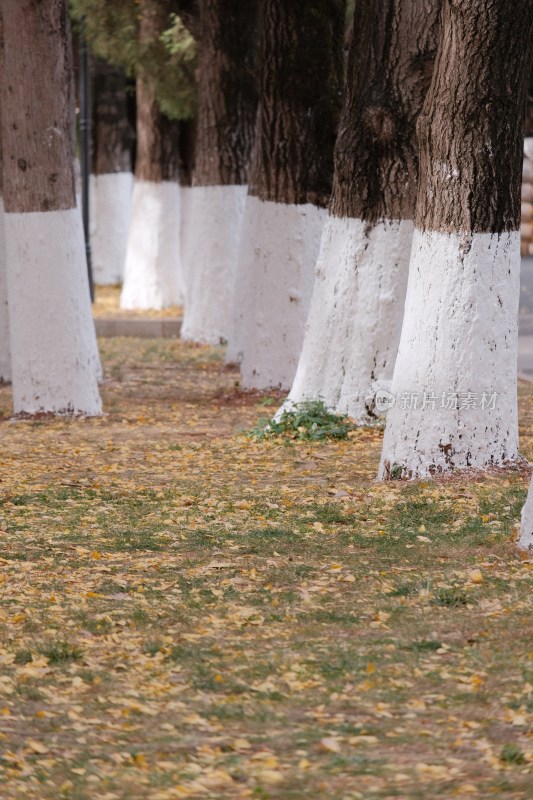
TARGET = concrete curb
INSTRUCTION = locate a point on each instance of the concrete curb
(168, 328)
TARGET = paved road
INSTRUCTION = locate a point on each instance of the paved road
(525, 325)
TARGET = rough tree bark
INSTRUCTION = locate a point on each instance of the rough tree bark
(227, 102)
(454, 383)
(290, 185)
(112, 177)
(153, 274)
(354, 324)
(53, 346)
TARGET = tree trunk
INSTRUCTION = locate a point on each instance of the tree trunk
(454, 383)
(53, 346)
(5, 347)
(227, 102)
(227, 92)
(356, 314)
(112, 178)
(290, 185)
(153, 273)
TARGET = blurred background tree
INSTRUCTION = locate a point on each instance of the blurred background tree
(168, 59)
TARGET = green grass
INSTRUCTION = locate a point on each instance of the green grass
(60, 652)
(511, 754)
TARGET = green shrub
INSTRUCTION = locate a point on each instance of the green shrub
(306, 421)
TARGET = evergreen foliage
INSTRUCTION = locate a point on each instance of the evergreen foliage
(112, 32)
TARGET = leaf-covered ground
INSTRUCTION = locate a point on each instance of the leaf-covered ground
(107, 304)
(188, 612)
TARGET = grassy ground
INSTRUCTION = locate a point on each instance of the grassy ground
(186, 612)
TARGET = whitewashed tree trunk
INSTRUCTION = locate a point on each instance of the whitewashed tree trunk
(111, 182)
(215, 215)
(5, 346)
(153, 273)
(355, 319)
(278, 250)
(53, 347)
(454, 384)
(110, 203)
(353, 330)
(525, 541)
(185, 227)
(290, 185)
(227, 100)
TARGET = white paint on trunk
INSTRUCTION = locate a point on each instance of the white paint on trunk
(454, 383)
(186, 193)
(526, 527)
(528, 147)
(5, 348)
(55, 360)
(354, 324)
(273, 287)
(215, 218)
(110, 207)
(152, 275)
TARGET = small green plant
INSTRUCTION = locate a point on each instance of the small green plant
(29, 692)
(140, 617)
(23, 656)
(307, 421)
(59, 652)
(424, 646)
(403, 590)
(396, 472)
(152, 647)
(451, 598)
(511, 754)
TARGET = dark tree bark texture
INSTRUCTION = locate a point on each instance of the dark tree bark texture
(390, 63)
(35, 95)
(157, 154)
(300, 97)
(187, 149)
(227, 91)
(112, 135)
(471, 128)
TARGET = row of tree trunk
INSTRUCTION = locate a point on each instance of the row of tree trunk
(416, 298)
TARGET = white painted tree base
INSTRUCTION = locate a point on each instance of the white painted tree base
(354, 324)
(186, 194)
(215, 218)
(526, 526)
(458, 347)
(55, 360)
(110, 206)
(152, 274)
(5, 347)
(273, 287)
